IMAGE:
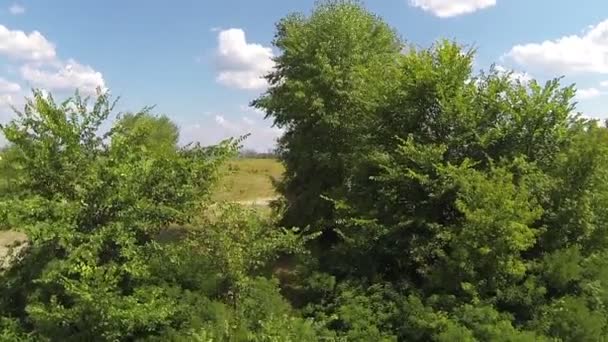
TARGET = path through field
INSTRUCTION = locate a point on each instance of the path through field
(261, 201)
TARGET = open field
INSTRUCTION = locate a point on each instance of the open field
(249, 180)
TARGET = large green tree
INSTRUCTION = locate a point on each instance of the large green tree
(329, 80)
(463, 206)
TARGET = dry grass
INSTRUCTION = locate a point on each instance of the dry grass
(7, 238)
(11, 243)
(249, 180)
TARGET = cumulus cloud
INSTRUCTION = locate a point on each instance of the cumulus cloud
(241, 64)
(248, 121)
(16, 9)
(23, 46)
(212, 129)
(522, 77)
(452, 8)
(66, 76)
(252, 110)
(587, 93)
(8, 86)
(586, 52)
(219, 119)
(10, 95)
(39, 67)
(6, 100)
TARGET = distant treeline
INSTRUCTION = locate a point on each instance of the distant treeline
(249, 153)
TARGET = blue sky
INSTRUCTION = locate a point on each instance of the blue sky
(199, 62)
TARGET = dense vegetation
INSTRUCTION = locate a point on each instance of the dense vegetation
(420, 202)
(123, 244)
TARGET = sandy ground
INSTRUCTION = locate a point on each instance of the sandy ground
(9, 239)
(262, 201)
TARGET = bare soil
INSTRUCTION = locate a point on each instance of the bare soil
(10, 244)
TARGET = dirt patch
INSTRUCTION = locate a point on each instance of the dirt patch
(262, 201)
(10, 244)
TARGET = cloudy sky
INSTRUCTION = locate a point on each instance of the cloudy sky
(200, 62)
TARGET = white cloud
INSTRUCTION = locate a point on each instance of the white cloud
(6, 100)
(248, 121)
(587, 93)
(42, 68)
(39, 67)
(604, 83)
(240, 64)
(587, 52)
(8, 86)
(253, 110)
(241, 79)
(523, 77)
(20, 45)
(67, 76)
(452, 8)
(219, 127)
(587, 116)
(6, 112)
(220, 120)
(16, 9)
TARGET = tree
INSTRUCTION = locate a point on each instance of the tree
(328, 82)
(468, 205)
(156, 133)
(9, 169)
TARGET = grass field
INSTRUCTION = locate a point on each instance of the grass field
(249, 179)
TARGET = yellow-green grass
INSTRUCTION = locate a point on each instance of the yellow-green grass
(249, 179)
(10, 245)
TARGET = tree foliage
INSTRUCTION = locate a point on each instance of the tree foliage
(156, 133)
(457, 205)
(327, 84)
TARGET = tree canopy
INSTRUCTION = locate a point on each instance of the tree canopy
(156, 133)
(455, 205)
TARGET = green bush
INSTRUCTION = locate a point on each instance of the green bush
(93, 208)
